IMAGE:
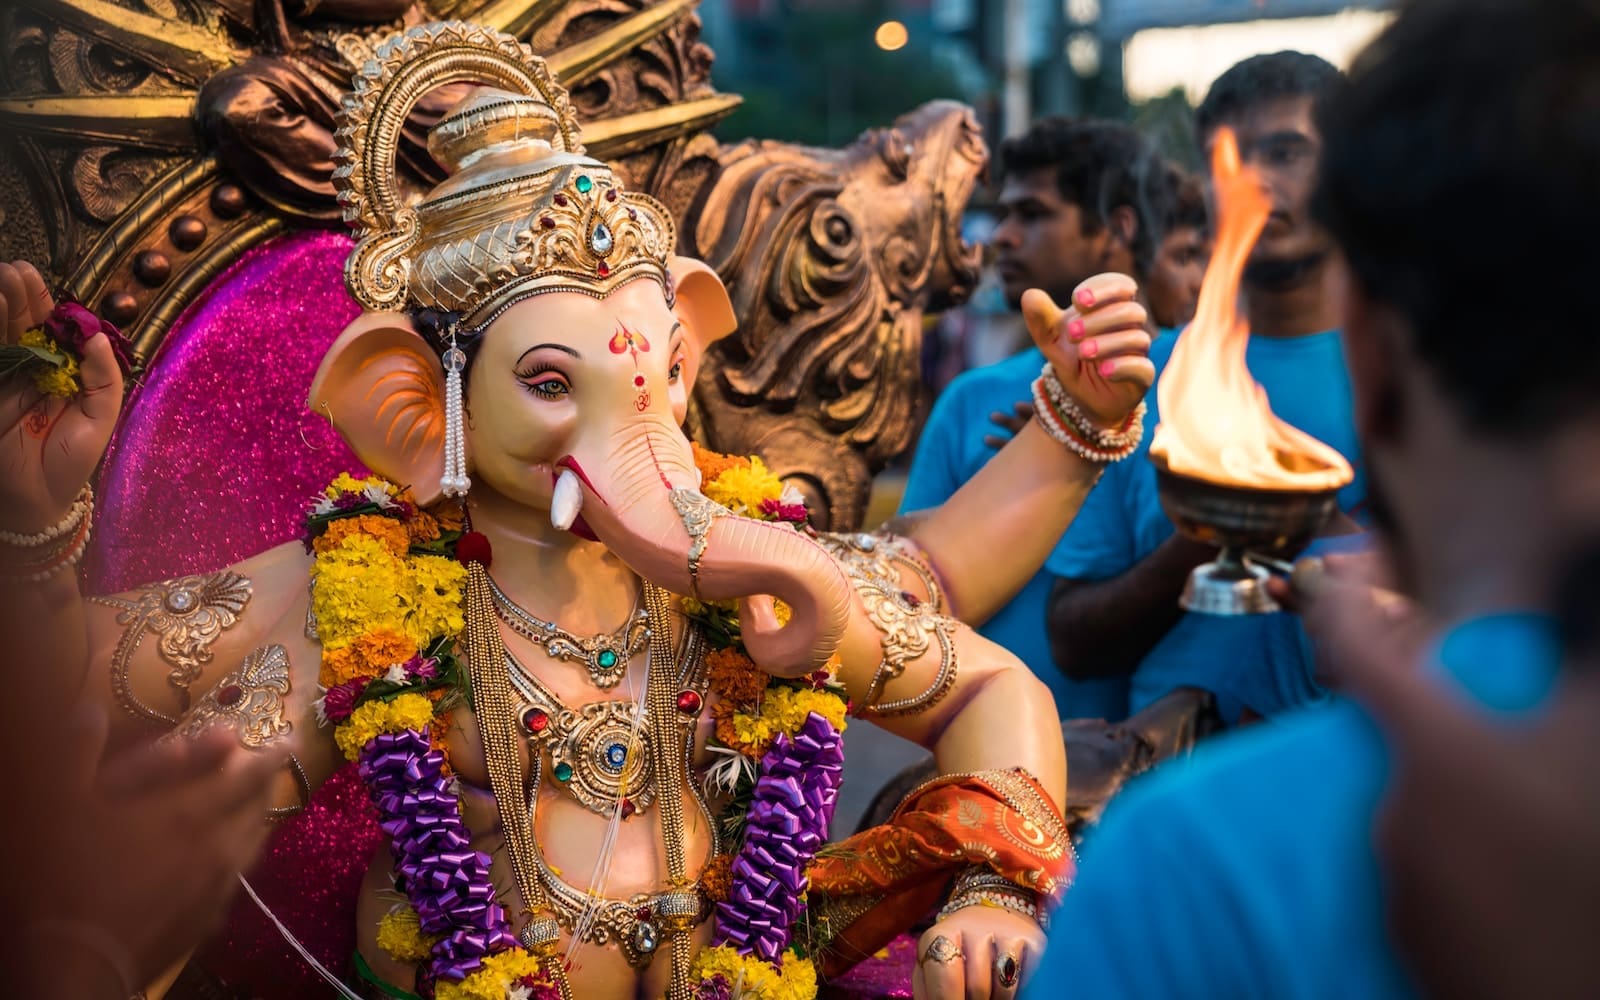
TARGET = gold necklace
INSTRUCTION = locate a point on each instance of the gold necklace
(637, 924)
(605, 657)
(598, 752)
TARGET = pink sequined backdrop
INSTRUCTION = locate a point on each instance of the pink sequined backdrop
(212, 463)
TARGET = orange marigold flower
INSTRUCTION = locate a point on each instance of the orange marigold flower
(735, 677)
(711, 464)
(367, 657)
(717, 879)
(385, 529)
(438, 734)
(449, 515)
(423, 528)
(728, 732)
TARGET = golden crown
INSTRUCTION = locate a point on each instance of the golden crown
(523, 211)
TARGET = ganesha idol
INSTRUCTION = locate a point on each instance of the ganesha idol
(595, 679)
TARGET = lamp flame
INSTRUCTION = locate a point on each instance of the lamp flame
(1216, 423)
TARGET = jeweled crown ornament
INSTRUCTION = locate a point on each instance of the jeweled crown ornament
(523, 211)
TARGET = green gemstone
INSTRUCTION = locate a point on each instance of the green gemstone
(607, 659)
(563, 771)
(584, 184)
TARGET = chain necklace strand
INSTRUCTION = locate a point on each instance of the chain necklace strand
(605, 657)
(491, 688)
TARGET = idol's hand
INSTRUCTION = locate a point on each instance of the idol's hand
(1099, 346)
(50, 444)
(976, 953)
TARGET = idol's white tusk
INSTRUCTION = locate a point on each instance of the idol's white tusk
(566, 500)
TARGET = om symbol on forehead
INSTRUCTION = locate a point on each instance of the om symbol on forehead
(633, 343)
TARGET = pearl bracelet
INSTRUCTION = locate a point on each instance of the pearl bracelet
(64, 557)
(68, 524)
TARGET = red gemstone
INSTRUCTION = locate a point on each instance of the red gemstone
(632, 214)
(535, 721)
(627, 808)
(689, 702)
(603, 268)
(911, 599)
(611, 194)
(561, 199)
(547, 222)
(230, 694)
(642, 913)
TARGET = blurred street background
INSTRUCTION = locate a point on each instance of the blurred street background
(823, 71)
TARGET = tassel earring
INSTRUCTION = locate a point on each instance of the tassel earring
(454, 482)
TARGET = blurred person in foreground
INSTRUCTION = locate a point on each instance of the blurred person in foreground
(1121, 567)
(117, 865)
(1173, 283)
(1465, 145)
(1074, 202)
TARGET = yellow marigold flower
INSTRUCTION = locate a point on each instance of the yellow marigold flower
(712, 464)
(796, 979)
(742, 489)
(368, 657)
(786, 708)
(400, 934)
(344, 482)
(435, 598)
(387, 530)
(359, 588)
(494, 978)
(408, 711)
(782, 612)
(52, 381)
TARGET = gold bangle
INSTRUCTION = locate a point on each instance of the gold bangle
(698, 512)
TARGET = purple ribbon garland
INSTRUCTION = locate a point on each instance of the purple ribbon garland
(447, 882)
(787, 822)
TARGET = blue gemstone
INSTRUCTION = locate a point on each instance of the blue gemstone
(616, 755)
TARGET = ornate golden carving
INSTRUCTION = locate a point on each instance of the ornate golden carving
(822, 379)
(250, 700)
(832, 259)
(189, 613)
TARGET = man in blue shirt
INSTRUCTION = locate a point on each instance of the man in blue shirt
(1074, 202)
(1115, 610)
(1456, 158)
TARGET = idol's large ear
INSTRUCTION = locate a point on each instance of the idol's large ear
(382, 388)
(702, 305)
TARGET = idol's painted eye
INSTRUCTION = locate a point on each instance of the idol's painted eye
(544, 381)
(676, 371)
(549, 388)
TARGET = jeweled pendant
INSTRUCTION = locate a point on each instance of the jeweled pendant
(645, 938)
(600, 240)
(607, 660)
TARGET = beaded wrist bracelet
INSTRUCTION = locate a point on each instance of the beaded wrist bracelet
(63, 543)
(1062, 418)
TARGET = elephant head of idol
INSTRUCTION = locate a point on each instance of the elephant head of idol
(576, 329)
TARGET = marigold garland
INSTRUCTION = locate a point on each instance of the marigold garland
(499, 978)
(388, 597)
(795, 979)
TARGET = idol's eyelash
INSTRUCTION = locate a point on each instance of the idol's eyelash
(535, 370)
